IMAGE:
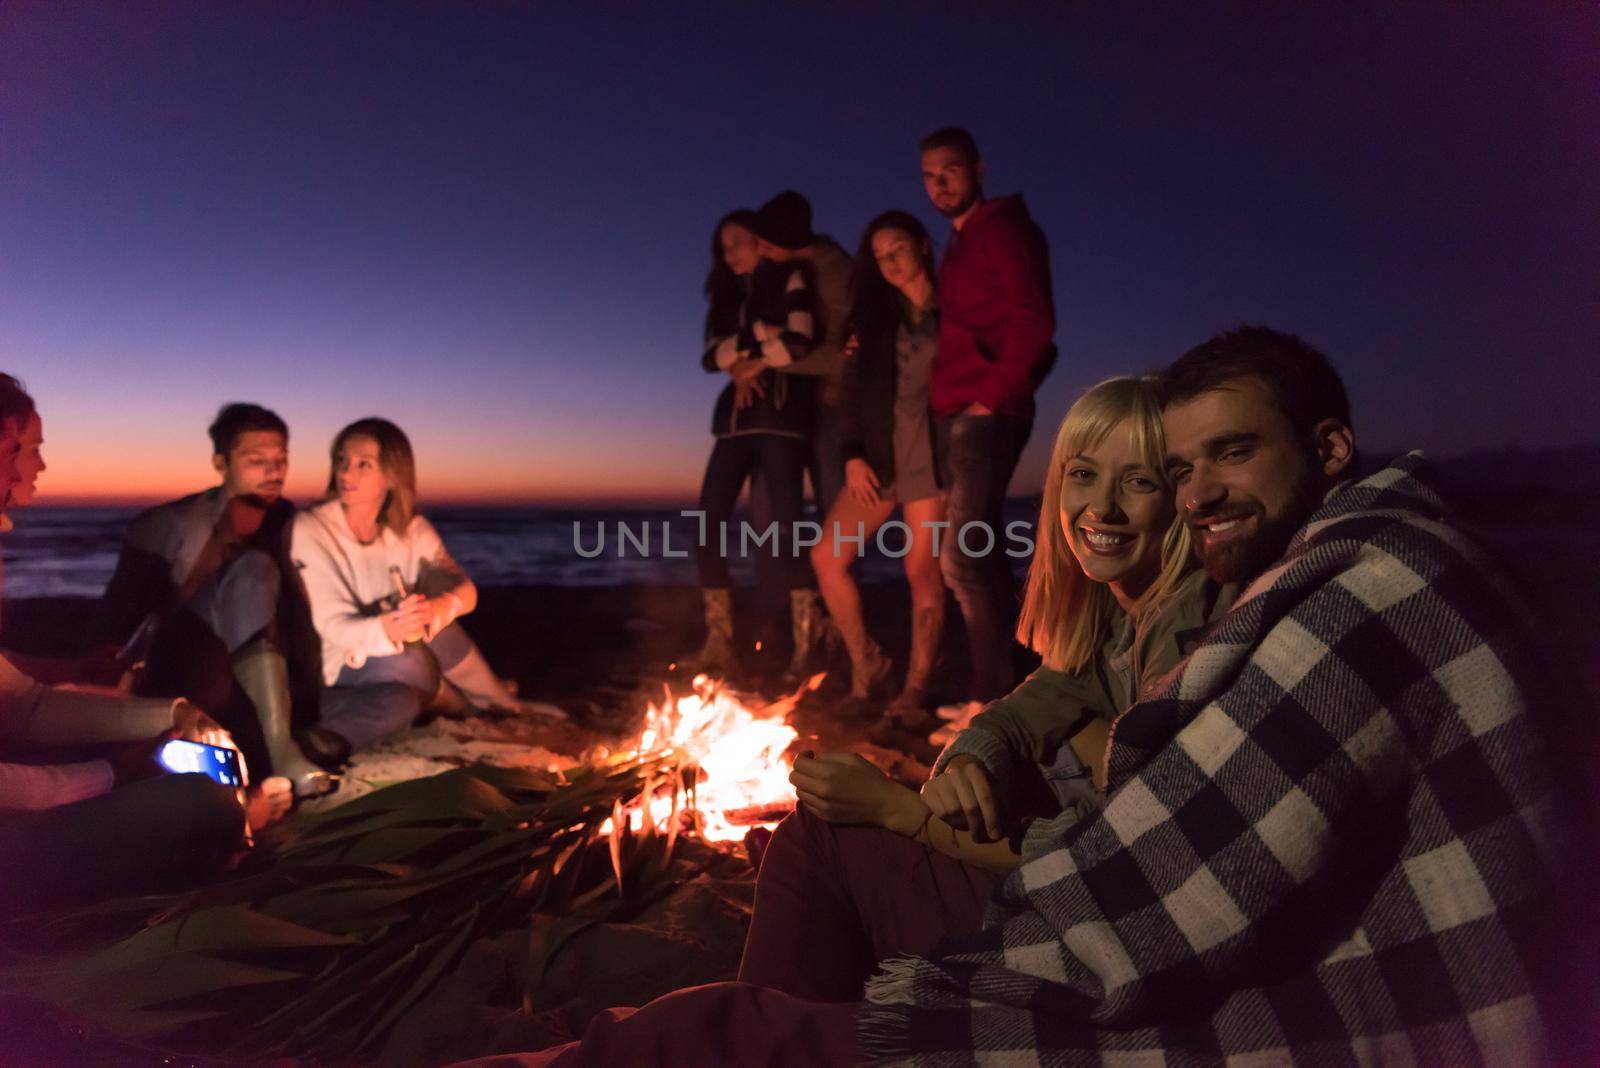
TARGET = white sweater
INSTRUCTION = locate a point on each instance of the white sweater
(345, 580)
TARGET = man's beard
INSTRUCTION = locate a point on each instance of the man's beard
(1242, 559)
(959, 209)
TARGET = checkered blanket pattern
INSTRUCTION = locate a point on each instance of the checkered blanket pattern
(1329, 838)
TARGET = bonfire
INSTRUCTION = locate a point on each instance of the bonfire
(343, 921)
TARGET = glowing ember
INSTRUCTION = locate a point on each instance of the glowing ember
(743, 779)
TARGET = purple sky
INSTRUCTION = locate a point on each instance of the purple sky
(491, 223)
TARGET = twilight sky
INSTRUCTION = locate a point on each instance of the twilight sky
(491, 222)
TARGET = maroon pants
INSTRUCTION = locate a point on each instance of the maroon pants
(710, 1026)
(832, 901)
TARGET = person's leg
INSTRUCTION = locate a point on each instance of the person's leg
(719, 1024)
(826, 459)
(152, 836)
(380, 698)
(831, 560)
(240, 606)
(927, 601)
(784, 574)
(832, 901)
(978, 453)
(729, 465)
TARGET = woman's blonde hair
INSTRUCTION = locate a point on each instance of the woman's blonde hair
(1067, 616)
(396, 461)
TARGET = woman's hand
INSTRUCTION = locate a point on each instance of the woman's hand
(861, 481)
(748, 371)
(847, 788)
(407, 621)
(442, 611)
(963, 797)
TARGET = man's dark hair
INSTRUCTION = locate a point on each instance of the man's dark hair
(15, 404)
(236, 419)
(952, 137)
(1302, 382)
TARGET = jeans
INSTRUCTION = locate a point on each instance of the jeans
(386, 694)
(156, 835)
(977, 455)
(190, 655)
(826, 462)
(781, 463)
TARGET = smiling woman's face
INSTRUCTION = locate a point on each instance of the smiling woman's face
(1115, 511)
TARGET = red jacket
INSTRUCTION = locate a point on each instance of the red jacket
(996, 315)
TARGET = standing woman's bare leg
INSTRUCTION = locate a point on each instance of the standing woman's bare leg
(927, 603)
(831, 560)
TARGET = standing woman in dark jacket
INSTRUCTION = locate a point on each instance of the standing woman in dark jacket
(888, 448)
(761, 319)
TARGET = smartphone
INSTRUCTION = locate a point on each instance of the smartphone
(212, 761)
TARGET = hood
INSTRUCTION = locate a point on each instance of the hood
(1010, 206)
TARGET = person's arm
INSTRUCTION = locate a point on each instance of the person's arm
(35, 714)
(1016, 253)
(340, 621)
(31, 787)
(848, 788)
(833, 309)
(779, 345)
(451, 592)
(1026, 728)
(852, 438)
(721, 353)
(139, 586)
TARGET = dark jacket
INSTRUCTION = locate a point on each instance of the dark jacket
(997, 315)
(160, 550)
(867, 395)
(781, 295)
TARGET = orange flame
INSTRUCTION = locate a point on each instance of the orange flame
(741, 753)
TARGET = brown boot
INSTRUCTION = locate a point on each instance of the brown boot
(716, 655)
(911, 706)
(807, 624)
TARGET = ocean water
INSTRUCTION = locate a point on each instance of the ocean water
(71, 552)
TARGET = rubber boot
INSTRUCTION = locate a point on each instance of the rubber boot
(716, 655)
(264, 677)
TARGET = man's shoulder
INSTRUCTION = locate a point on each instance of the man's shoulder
(174, 514)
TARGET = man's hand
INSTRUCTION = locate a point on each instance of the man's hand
(408, 620)
(861, 481)
(977, 409)
(193, 725)
(748, 371)
(963, 796)
(847, 788)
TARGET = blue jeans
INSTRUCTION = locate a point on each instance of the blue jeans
(977, 455)
(777, 463)
(386, 694)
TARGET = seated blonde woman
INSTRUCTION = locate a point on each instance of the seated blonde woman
(1113, 598)
(385, 595)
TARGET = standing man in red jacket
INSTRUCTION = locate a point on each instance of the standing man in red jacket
(996, 321)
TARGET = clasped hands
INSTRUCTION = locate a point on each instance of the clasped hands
(848, 788)
(418, 618)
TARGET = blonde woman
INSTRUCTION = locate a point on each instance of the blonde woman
(1113, 593)
(385, 594)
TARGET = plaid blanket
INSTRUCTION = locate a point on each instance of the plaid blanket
(1330, 837)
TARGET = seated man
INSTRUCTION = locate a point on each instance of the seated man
(205, 596)
(1340, 831)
